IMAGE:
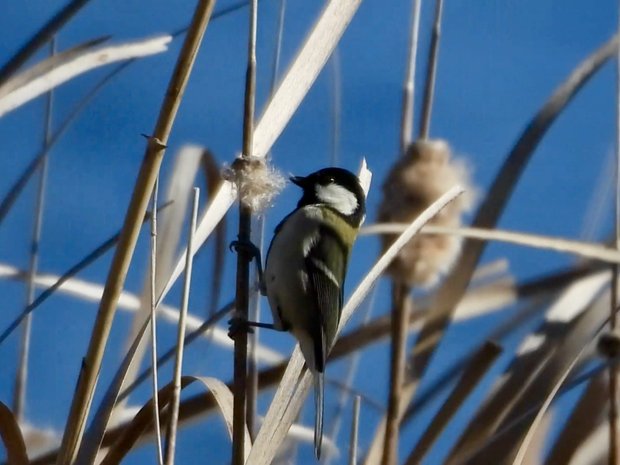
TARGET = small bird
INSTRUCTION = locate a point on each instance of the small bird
(306, 266)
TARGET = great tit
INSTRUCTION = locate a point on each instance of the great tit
(306, 267)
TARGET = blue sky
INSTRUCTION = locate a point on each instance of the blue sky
(499, 61)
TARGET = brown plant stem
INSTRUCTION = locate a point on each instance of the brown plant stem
(149, 170)
(429, 84)
(242, 290)
(399, 331)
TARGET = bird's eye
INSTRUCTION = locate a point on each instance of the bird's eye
(331, 179)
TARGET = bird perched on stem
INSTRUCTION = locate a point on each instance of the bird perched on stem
(306, 266)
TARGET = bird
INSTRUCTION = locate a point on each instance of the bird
(306, 266)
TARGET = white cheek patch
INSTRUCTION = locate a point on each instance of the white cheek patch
(338, 197)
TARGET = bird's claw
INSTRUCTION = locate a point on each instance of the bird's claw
(247, 246)
(236, 325)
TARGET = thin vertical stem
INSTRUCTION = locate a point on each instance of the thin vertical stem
(243, 256)
(254, 312)
(399, 329)
(178, 363)
(21, 380)
(406, 124)
(431, 71)
(354, 430)
(336, 105)
(254, 303)
(154, 153)
(613, 369)
(154, 382)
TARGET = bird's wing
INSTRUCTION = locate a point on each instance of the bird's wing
(326, 265)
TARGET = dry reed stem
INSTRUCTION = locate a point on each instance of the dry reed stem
(43, 35)
(242, 289)
(406, 121)
(401, 302)
(584, 419)
(91, 444)
(149, 170)
(402, 307)
(472, 373)
(21, 380)
(429, 84)
(171, 433)
(254, 301)
(355, 421)
(153, 324)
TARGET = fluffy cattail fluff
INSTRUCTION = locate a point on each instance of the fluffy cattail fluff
(257, 182)
(417, 179)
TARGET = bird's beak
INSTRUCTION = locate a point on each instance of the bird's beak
(298, 180)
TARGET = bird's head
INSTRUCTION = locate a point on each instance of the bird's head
(335, 188)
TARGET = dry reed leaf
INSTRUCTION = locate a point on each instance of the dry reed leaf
(221, 393)
(471, 375)
(169, 225)
(573, 340)
(292, 390)
(65, 66)
(39, 440)
(533, 355)
(93, 437)
(582, 249)
(302, 73)
(595, 449)
(583, 420)
(286, 99)
(12, 437)
(213, 178)
(130, 302)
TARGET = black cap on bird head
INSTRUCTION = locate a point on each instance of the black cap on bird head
(336, 188)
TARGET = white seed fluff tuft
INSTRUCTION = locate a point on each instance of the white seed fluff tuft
(257, 182)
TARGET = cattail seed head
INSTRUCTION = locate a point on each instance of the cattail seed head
(418, 178)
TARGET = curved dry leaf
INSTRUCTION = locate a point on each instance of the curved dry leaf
(12, 437)
(579, 248)
(221, 393)
(65, 66)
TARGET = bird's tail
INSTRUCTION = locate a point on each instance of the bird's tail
(318, 408)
